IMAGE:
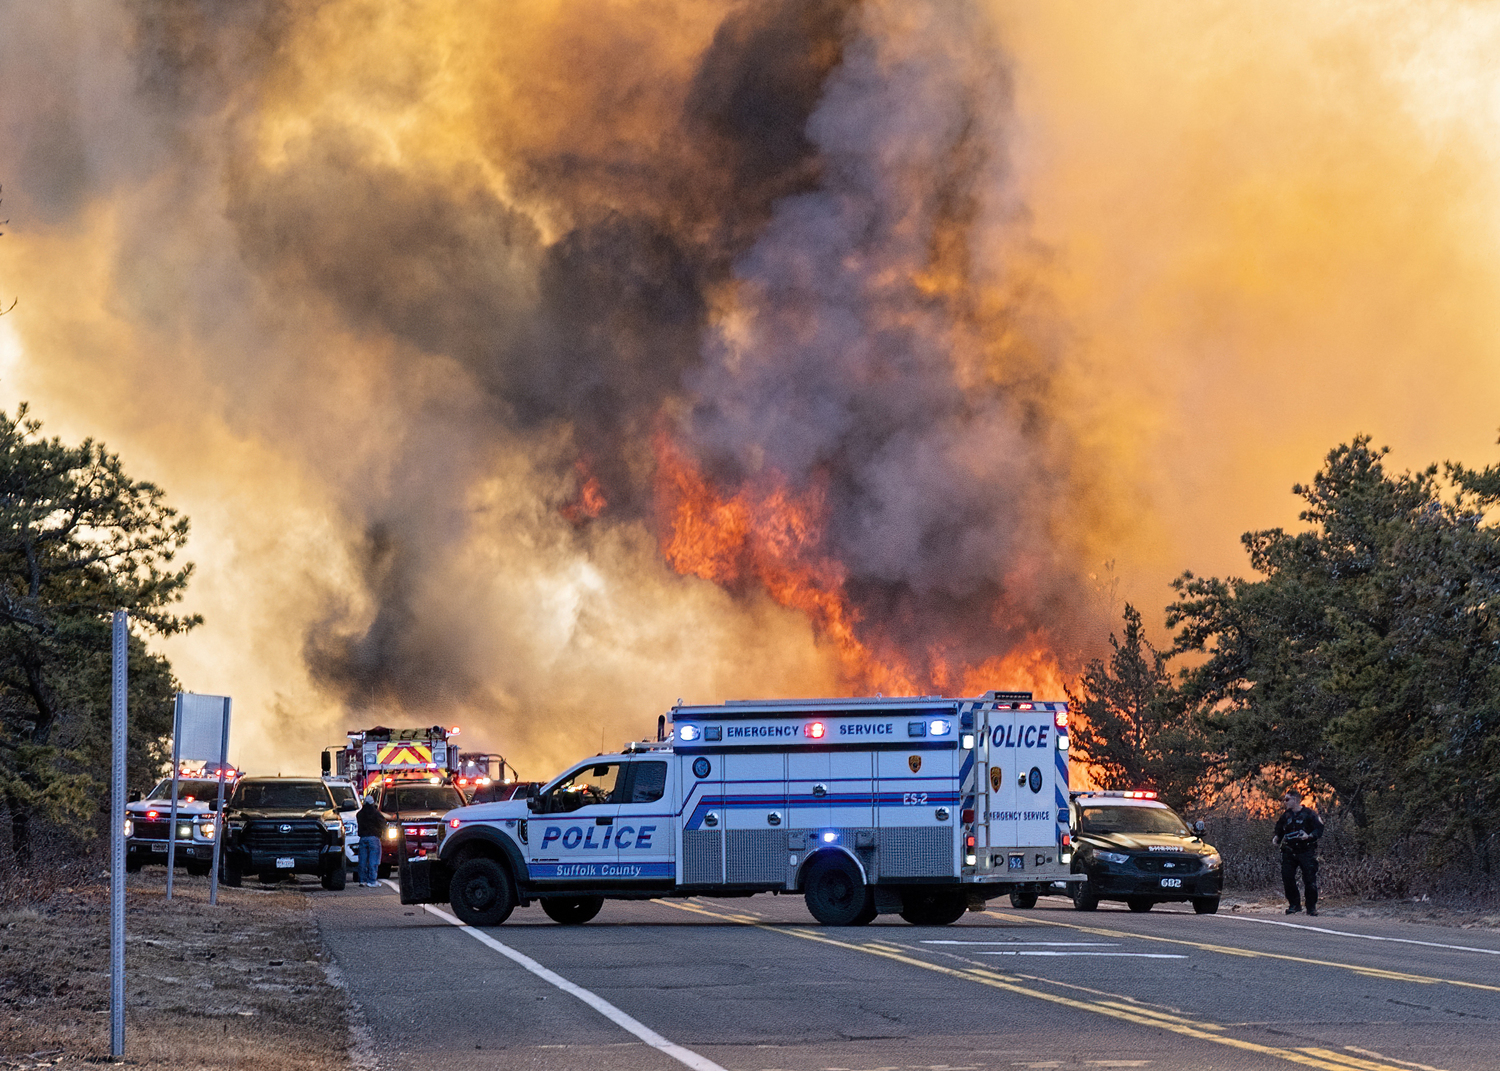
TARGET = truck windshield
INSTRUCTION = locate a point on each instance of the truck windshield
(290, 795)
(1131, 820)
(424, 798)
(189, 790)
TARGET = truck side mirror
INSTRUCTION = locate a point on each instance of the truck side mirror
(327, 763)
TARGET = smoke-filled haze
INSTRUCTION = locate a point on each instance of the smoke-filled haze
(527, 366)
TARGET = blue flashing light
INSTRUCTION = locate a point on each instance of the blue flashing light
(687, 733)
(940, 728)
(830, 837)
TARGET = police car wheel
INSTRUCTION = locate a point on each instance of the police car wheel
(835, 895)
(933, 907)
(1139, 904)
(1083, 898)
(481, 894)
(1023, 900)
(572, 910)
(1206, 905)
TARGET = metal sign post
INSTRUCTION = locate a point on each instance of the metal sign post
(176, 770)
(121, 669)
(200, 733)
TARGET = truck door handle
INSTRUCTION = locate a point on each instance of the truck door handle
(604, 821)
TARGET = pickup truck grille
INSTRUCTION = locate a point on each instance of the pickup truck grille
(265, 835)
(158, 830)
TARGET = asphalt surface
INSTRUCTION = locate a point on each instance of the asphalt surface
(754, 985)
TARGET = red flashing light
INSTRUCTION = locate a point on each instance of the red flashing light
(1060, 719)
(1140, 795)
(152, 814)
(1067, 840)
(1025, 706)
(969, 841)
(453, 822)
(814, 729)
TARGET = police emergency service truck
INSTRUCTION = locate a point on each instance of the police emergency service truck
(919, 806)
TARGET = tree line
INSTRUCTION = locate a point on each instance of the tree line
(1361, 662)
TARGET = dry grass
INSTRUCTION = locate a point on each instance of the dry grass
(238, 985)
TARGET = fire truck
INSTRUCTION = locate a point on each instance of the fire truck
(923, 807)
(375, 761)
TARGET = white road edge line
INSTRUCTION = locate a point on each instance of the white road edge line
(1362, 936)
(686, 1057)
(1116, 955)
(1049, 944)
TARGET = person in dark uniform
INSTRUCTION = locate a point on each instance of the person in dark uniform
(1297, 833)
(371, 829)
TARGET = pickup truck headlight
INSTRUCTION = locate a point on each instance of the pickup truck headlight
(129, 827)
(206, 830)
(392, 831)
(1117, 858)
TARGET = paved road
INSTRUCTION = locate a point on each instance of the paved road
(752, 985)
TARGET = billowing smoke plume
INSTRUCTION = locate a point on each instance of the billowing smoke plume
(528, 366)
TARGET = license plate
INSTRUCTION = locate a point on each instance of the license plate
(1171, 883)
(284, 863)
(159, 848)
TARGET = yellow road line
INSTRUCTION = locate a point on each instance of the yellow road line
(1230, 950)
(1114, 1010)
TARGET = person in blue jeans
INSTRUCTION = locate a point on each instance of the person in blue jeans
(371, 829)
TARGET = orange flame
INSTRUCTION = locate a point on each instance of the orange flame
(588, 502)
(768, 535)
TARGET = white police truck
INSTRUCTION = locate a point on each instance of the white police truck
(920, 806)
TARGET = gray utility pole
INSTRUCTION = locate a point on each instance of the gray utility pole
(118, 719)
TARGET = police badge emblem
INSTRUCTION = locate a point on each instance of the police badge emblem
(995, 777)
(915, 762)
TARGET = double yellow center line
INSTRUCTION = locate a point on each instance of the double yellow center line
(1114, 1009)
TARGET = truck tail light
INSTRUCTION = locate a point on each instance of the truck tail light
(968, 816)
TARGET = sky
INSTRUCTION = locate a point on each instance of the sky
(528, 367)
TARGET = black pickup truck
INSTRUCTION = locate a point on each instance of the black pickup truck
(284, 825)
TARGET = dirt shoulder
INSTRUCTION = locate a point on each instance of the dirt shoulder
(240, 984)
(1458, 914)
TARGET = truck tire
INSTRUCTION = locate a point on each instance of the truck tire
(481, 893)
(1024, 899)
(230, 873)
(1083, 897)
(572, 910)
(1139, 904)
(836, 896)
(938, 906)
(382, 870)
(334, 880)
(1206, 905)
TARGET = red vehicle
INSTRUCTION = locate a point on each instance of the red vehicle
(414, 809)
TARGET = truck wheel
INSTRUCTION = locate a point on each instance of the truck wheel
(933, 907)
(335, 879)
(231, 875)
(1023, 900)
(572, 910)
(1139, 904)
(836, 897)
(1083, 897)
(1206, 905)
(382, 870)
(481, 894)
